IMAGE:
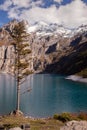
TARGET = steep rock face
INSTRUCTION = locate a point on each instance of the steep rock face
(6, 51)
(7, 58)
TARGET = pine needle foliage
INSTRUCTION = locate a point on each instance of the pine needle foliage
(22, 56)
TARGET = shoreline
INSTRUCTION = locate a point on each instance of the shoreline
(77, 78)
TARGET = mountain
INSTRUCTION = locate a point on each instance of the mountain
(55, 48)
(42, 29)
(72, 62)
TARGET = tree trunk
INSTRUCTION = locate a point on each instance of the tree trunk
(18, 112)
(18, 97)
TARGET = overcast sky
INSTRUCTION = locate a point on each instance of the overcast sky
(71, 13)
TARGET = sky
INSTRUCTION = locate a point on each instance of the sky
(70, 13)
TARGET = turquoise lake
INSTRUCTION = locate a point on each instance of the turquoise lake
(50, 94)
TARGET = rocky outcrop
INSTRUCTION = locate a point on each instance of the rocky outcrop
(75, 125)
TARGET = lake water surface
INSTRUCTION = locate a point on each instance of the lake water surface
(50, 94)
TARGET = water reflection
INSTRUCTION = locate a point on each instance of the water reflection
(7, 94)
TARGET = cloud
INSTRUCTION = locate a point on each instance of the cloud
(58, 1)
(6, 5)
(26, 3)
(21, 3)
(14, 13)
(71, 15)
(37, 14)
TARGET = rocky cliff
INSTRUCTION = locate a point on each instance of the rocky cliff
(55, 49)
(73, 60)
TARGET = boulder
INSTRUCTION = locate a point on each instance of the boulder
(15, 128)
(75, 125)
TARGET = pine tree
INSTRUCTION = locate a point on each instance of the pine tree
(22, 57)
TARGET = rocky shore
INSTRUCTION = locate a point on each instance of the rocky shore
(75, 125)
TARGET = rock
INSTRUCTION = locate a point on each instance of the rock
(15, 128)
(75, 125)
(17, 113)
(25, 127)
(1, 127)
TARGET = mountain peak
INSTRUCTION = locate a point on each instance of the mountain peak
(42, 28)
(41, 23)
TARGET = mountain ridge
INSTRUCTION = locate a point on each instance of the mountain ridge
(50, 53)
(42, 28)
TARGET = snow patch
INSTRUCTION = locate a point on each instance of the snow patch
(42, 28)
(77, 78)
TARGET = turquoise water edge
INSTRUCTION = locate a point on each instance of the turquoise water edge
(50, 94)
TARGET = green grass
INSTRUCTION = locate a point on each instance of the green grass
(83, 73)
(35, 124)
(54, 123)
(64, 117)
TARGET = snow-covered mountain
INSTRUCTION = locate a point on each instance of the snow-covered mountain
(55, 48)
(42, 29)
